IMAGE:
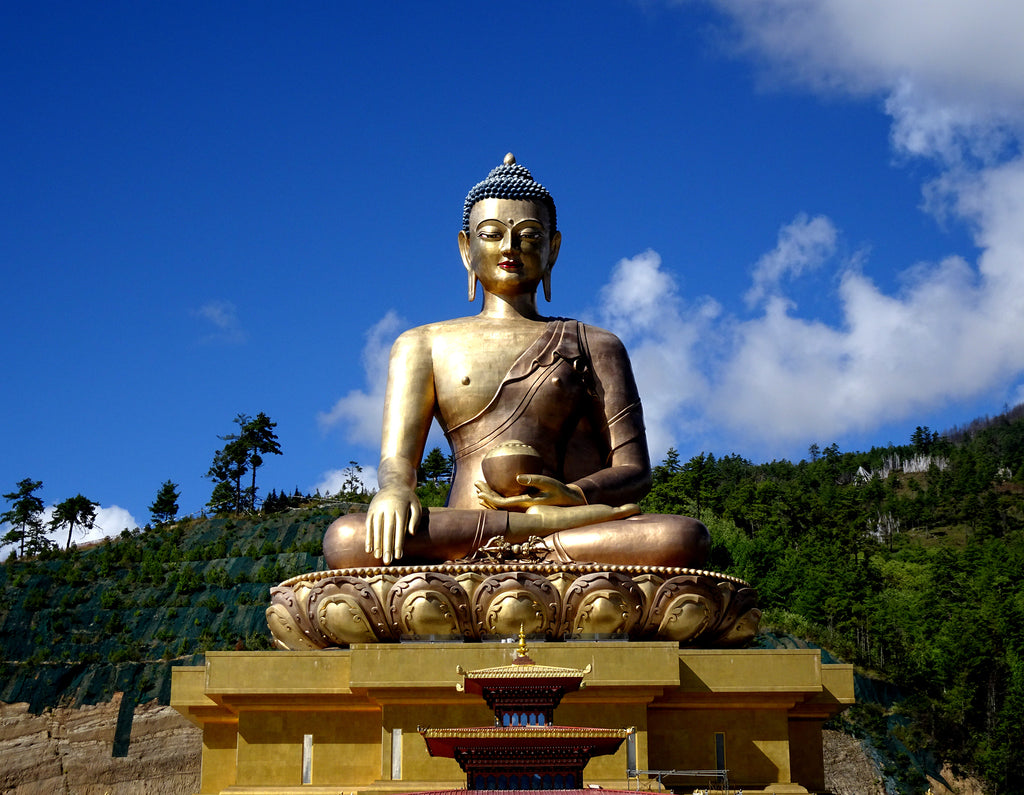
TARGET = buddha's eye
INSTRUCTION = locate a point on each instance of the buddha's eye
(490, 233)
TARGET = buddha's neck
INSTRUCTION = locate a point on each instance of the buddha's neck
(511, 307)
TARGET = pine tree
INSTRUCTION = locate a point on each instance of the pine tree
(165, 506)
(230, 464)
(24, 518)
(77, 510)
(242, 454)
(436, 465)
(259, 439)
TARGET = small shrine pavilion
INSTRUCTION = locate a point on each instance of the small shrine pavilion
(524, 749)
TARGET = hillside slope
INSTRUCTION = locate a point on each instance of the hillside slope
(76, 627)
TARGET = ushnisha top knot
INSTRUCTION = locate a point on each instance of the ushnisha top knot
(509, 181)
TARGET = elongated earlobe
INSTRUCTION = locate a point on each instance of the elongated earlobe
(547, 286)
(472, 286)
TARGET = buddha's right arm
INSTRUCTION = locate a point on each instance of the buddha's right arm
(408, 412)
(394, 511)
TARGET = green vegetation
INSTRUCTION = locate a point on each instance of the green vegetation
(436, 466)
(78, 625)
(904, 560)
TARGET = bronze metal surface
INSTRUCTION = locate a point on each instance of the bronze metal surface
(508, 374)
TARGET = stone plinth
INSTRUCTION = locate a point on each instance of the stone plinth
(362, 706)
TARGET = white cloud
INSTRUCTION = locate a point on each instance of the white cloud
(790, 379)
(223, 317)
(958, 52)
(951, 332)
(664, 338)
(804, 244)
(334, 480)
(109, 522)
(952, 74)
(361, 411)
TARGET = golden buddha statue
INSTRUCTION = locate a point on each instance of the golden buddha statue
(560, 390)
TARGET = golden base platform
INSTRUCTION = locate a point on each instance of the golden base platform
(347, 720)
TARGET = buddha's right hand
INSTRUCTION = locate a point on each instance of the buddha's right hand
(393, 513)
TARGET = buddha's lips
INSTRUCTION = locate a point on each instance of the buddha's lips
(508, 265)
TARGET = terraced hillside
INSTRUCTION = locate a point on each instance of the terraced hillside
(78, 626)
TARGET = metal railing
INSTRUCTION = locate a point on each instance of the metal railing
(720, 777)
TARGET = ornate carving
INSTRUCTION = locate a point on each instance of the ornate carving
(287, 620)
(505, 602)
(429, 603)
(475, 600)
(347, 610)
(498, 550)
(683, 607)
(606, 603)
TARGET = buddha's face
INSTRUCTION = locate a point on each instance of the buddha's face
(508, 246)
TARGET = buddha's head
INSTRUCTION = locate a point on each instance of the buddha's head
(509, 241)
(509, 181)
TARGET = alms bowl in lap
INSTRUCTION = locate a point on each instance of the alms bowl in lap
(480, 600)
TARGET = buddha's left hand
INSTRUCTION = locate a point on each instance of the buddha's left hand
(543, 491)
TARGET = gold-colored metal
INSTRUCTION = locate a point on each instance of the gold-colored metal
(475, 600)
(509, 373)
(522, 650)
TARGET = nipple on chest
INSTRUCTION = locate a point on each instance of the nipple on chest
(465, 380)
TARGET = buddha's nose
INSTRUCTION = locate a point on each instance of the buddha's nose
(509, 243)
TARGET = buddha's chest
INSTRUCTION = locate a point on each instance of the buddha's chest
(470, 369)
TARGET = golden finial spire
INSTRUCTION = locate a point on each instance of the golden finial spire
(522, 651)
(510, 159)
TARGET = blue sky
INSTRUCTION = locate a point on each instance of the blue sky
(805, 218)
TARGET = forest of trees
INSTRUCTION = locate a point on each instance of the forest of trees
(904, 560)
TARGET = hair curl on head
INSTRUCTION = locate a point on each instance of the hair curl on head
(509, 181)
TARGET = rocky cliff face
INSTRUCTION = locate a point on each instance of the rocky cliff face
(849, 769)
(852, 769)
(71, 751)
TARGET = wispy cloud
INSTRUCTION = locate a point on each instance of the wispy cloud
(955, 52)
(804, 244)
(359, 413)
(222, 323)
(334, 480)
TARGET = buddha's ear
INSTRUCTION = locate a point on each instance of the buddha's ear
(464, 249)
(556, 243)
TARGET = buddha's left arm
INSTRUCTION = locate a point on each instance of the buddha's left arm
(618, 415)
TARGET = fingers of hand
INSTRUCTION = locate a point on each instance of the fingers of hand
(386, 528)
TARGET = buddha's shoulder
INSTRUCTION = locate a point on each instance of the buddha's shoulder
(471, 325)
(428, 335)
(596, 337)
(441, 328)
(457, 329)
